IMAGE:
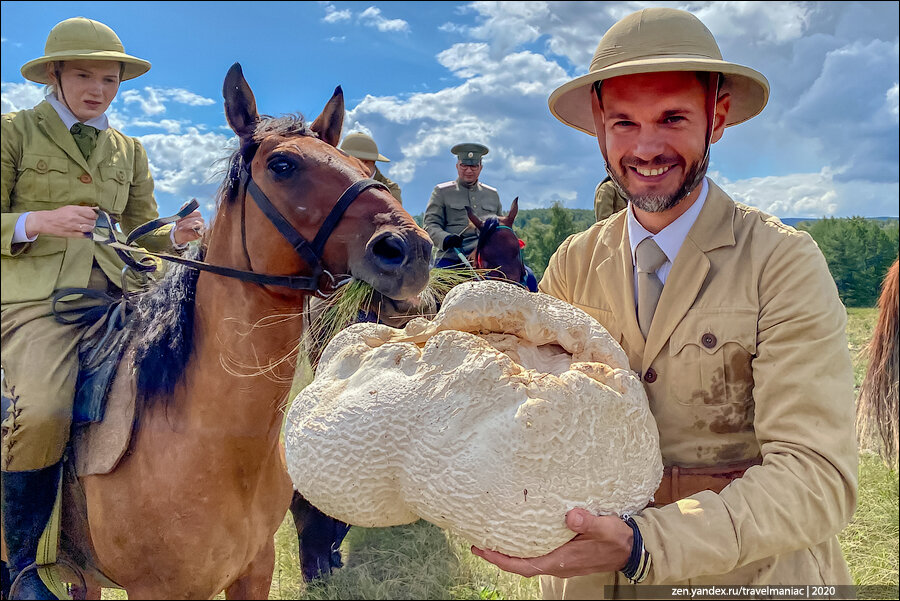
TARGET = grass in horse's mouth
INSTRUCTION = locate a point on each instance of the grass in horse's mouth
(359, 301)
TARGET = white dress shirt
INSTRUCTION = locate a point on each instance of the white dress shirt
(669, 239)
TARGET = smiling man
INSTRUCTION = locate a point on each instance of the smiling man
(730, 318)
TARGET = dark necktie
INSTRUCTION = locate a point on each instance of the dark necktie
(649, 258)
(85, 137)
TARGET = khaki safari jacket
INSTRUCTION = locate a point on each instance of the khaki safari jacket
(446, 213)
(746, 357)
(42, 169)
(607, 200)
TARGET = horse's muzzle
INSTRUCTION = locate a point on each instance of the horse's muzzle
(397, 263)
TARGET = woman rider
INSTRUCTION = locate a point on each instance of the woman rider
(61, 162)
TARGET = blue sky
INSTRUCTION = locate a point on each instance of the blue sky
(423, 76)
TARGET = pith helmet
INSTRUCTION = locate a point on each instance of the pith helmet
(83, 39)
(655, 40)
(469, 153)
(361, 146)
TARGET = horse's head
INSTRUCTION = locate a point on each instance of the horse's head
(311, 196)
(499, 248)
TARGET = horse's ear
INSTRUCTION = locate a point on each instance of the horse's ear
(240, 105)
(511, 216)
(474, 218)
(329, 124)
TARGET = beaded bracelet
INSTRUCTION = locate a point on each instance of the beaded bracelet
(638, 565)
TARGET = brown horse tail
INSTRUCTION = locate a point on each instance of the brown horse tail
(876, 408)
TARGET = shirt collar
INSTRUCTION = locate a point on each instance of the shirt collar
(101, 122)
(671, 237)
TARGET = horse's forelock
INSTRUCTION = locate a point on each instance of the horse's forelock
(284, 126)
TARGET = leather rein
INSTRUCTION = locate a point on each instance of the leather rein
(309, 252)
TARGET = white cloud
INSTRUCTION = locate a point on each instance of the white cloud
(372, 17)
(187, 165)
(152, 101)
(333, 15)
(813, 195)
(170, 126)
(19, 96)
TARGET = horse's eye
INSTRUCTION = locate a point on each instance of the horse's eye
(281, 166)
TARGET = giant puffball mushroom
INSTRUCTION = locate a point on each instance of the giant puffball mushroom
(492, 420)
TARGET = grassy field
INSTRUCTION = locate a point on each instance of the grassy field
(420, 561)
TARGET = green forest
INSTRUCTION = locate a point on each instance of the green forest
(858, 250)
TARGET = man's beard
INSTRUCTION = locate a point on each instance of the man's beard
(657, 203)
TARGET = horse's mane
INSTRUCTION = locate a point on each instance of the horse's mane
(877, 408)
(163, 318)
(163, 327)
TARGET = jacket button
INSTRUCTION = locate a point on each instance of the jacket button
(42, 166)
(708, 340)
(85, 178)
(650, 376)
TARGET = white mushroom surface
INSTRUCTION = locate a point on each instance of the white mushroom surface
(492, 420)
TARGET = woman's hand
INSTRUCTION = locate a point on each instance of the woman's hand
(603, 544)
(190, 227)
(70, 221)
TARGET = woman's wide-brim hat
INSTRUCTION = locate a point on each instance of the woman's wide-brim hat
(363, 147)
(655, 40)
(79, 39)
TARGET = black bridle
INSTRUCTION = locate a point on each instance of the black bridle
(309, 252)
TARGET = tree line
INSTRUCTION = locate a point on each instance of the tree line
(858, 250)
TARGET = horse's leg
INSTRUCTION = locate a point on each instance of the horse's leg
(256, 580)
(318, 537)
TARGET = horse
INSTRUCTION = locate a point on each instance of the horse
(192, 507)
(497, 255)
(877, 405)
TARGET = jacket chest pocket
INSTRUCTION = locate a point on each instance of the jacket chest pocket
(457, 218)
(115, 183)
(43, 179)
(711, 355)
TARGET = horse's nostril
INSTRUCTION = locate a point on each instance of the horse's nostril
(391, 250)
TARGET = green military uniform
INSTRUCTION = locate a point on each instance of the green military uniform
(446, 214)
(43, 169)
(608, 199)
(378, 176)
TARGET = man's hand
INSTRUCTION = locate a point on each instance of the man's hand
(452, 241)
(190, 227)
(602, 544)
(70, 221)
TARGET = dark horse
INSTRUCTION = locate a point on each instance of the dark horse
(192, 507)
(497, 255)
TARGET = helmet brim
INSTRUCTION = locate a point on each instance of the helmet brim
(749, 89)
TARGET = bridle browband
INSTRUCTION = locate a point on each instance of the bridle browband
(310, 253)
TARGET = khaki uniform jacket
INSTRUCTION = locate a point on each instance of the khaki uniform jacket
(378, 176)
(607, 200)
(42, 169)
(746, 357)
(446, 213)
